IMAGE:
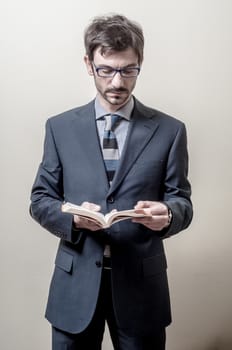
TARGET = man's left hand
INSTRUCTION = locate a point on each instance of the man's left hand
(157, 215)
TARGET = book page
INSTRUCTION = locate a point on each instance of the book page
(99, 218)
(117, 216)
(84, 212)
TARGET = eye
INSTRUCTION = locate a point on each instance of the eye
(128, 71)
(106, 70)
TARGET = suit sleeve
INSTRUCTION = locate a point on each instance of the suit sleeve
(47, 193)
(177, 187)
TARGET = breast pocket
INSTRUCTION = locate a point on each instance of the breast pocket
(147, 171)
(148, 178)
(147, 166)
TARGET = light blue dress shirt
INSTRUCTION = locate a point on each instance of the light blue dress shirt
(122, 128)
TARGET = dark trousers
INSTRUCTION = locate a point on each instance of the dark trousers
(91, 338)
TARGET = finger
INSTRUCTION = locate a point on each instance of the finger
(159, 220)
(156, 220)
(144, 211)
(143, 204)
(93, 227)
(81, 222)
(159, 209)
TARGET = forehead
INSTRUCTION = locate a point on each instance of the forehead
(116, 58)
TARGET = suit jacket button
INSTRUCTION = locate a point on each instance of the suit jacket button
(98, 263)
(110, 199)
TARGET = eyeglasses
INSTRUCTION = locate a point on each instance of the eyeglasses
(110, 72)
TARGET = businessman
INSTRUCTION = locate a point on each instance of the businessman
(113, 153)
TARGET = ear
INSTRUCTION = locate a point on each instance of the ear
(88, 65)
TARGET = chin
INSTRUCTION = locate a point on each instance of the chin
(117, 100)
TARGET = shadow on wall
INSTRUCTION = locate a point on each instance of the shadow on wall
(220, 344)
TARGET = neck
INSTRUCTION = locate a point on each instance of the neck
(111, 108)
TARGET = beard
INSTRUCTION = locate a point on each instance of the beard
(114, 96)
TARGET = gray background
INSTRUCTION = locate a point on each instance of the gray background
(186, 73)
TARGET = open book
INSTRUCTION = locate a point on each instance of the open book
(103, 220)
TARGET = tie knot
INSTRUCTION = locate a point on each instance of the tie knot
(112, 121)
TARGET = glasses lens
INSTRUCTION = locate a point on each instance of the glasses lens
(106, 72)
(130, 72)
(109, 72)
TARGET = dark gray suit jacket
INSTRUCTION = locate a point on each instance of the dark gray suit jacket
(153, 166)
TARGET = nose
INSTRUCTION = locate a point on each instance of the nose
(117, 80)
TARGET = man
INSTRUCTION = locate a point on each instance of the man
(118, 274)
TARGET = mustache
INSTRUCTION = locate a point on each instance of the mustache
(117, 90)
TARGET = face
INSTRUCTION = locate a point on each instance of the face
(115, 91)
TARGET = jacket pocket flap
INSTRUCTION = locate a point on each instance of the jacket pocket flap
(64, 260)
(154, 264)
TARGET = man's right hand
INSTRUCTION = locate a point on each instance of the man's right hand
(82, 223)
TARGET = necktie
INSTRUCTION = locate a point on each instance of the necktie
(110, 145)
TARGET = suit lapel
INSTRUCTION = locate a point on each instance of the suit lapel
(142, 127)
(141, 130)
(86, 133)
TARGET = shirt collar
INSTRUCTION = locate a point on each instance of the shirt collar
(124, 112)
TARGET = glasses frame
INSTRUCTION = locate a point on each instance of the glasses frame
(115, 71)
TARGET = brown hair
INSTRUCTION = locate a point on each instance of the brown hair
(113, 33)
